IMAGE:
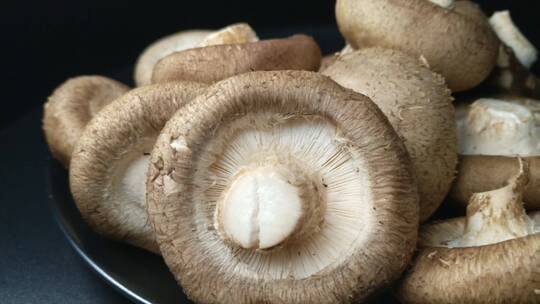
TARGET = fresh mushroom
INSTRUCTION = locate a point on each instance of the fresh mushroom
(108, 169)
(491, 256)
(516, 56)
(282, 187)
(418, 105)
(71, 106)
(213, 63)
(492, 133)
(456, 40)
(235, 33)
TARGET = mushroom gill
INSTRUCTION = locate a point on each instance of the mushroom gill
(282, 187)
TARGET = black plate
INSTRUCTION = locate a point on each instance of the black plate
(141, 276)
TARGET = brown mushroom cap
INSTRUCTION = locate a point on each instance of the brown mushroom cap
(213, 63)
(108, 170)
(479, 173)
(457, 41)
(162, 48)
(418, 105)
(234, 33)
(70, 108)
(491, 256)
(307, 121)
(506, 272)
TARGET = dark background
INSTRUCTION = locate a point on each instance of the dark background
(45, 42)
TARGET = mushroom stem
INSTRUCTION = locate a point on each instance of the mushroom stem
(498, 215)
(498, 127)
(510, 35)
(269, 205)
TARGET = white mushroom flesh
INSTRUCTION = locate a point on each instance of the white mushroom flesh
(263, 208)
(128, 188)
(236, 33)
(443, 3)
(498, 215)
(509, 34)
(497, 127)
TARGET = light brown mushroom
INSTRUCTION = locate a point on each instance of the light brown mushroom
(213, 63)
(235, 33)
(455, 39)
(108, 169)
(282, 187)
(491, 256)
(419, 107)
(492, 134)
(70, 108)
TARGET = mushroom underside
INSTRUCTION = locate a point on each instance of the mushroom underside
(312, 144)
(110, 161)
(268, 193)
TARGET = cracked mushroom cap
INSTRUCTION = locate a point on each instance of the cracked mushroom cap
(70, 108)
(491, 256)
(492, 134)
(418, 104)
(282, 187)
(213, 63)
(108, 170)
(455, 38)
(234, 33)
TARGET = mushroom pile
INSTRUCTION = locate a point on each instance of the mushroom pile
(264, 173)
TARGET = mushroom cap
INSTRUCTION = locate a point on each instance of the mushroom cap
(213, 63)
(162, 48)
(70, 108)
(284, 115)
(505, 272)
(457, 41)
(328, 60)
(419, 106)
(108, 171)
(479, 173)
